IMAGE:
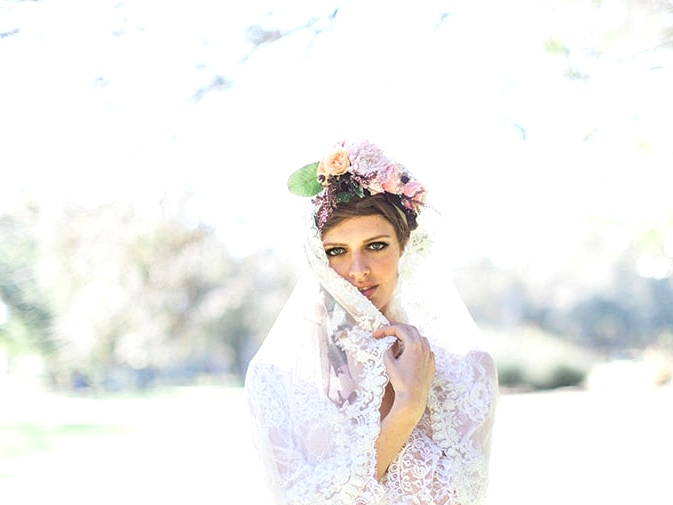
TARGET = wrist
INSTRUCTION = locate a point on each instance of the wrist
(408, 407)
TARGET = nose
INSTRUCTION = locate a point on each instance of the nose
(358, 269)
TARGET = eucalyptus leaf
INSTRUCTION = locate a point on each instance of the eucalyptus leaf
(304, 182)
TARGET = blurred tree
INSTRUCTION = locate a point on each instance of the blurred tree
(28, 320)
(111, 287)
(315, 19)
(620, 30)
(99, 291)
(600, 294)
(611, 31)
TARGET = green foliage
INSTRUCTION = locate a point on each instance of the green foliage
(598, 295)
(127, 300)
(555, 47)
(532, 359)
(19, 439)
(304, 182)
(20, 292)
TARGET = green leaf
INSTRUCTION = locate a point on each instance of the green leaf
(344, 197)
(304, 182)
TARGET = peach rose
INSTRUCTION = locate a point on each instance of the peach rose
(335, 163)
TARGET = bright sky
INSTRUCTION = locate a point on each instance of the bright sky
(96, 104)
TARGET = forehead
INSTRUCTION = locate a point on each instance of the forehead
(358, 229)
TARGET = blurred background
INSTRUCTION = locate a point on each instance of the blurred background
(147, 240)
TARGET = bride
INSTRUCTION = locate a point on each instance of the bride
(371, 387)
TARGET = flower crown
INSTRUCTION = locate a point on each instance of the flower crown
(353, 170)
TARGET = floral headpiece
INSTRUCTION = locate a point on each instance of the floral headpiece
(355, 169)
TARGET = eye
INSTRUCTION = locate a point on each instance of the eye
(335, 251)
(377, 246)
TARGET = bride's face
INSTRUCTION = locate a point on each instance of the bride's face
(365, 251)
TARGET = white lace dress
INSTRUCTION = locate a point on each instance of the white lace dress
(315, 387)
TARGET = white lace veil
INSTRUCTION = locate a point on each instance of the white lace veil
(316, 384)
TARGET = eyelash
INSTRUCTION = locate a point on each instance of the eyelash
(374, 246)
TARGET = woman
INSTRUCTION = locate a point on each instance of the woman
(369, 388)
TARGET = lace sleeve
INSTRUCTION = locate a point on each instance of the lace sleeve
(445, 460)
(298, 437)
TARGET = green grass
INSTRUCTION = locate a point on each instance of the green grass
(22, 438)
(192, 446)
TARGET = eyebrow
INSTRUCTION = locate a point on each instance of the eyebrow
(371, 239)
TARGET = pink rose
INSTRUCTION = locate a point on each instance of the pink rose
(413, 188)
(392, 185)
(392, 179)
(377, 180)
(415, 193)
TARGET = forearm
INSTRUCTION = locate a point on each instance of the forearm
(396, 427)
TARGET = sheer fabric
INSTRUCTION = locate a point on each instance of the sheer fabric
(316, 384)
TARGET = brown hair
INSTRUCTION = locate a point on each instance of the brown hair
(377, 205)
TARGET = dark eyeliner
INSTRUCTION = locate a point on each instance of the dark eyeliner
(380, 245)
(333, 251)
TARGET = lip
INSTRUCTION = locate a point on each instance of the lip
(368, 291)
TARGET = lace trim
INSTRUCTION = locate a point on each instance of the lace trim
(342, 471)
(460, 403)
(443, 462)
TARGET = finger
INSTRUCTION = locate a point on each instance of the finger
(384, 331)
(406, 334)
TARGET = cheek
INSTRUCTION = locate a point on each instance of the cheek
(391, 269)
(336, 265)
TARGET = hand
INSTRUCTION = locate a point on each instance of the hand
(410, 365)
